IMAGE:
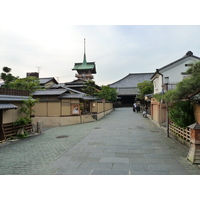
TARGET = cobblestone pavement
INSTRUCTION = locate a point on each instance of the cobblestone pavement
(121, 143)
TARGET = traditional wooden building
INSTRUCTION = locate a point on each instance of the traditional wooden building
(64, 106)
(66, 103)
(47, 82)
(84, 74)
(127, 87)
(165, 79)
(10, 102)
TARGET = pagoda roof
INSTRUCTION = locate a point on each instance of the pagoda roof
(85, 66)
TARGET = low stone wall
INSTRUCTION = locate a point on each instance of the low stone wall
(98, 116)
(87, 118)
(57, 121)
(63, 121)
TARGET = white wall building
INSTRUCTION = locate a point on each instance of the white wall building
(172, 73)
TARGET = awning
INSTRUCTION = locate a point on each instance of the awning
(6, 106)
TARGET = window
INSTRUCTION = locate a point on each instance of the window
(166, 81)
(154, 83)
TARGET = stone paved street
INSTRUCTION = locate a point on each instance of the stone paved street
(122, 143)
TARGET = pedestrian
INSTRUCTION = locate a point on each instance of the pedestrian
(138, 108)
(134, 107)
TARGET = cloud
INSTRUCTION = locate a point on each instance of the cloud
(38, 34)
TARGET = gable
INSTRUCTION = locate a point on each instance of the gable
(46, 80)
(187, 59)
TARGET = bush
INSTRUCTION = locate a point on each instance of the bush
(22, 136)
(22, 121)
(182, 114)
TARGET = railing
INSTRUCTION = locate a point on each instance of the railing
(15, 92)
(169, 86)
(181, 134)
(84, 76)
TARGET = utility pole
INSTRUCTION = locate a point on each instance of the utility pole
(167, 113)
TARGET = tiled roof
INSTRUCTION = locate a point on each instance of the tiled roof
(13, 98)
(85, 66)
(49, 92)
(127, 91)
(187, 55)
(46, 80)
(57, 86)
(75, 91)
(87, 97)
(77, 96)
(71, 96)
(5, 106)
(68, 87)
(131, 80)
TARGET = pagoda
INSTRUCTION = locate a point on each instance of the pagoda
(85, 69)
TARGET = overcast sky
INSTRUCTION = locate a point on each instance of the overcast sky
(42, 35)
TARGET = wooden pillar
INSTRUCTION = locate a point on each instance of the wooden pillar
(194, 151)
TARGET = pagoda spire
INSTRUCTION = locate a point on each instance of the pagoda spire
(84, 69)
(84, 57)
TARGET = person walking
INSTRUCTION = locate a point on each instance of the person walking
(134, 107)
(138, 108)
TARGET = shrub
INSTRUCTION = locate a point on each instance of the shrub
(22, 121)
(181, 113)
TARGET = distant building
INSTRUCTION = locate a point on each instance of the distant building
(85, 69)
(44, 82)
(47, 82)
(84, 74)
(127, 87)
(33, 74)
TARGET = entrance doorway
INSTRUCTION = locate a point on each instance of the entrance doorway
(126, 101)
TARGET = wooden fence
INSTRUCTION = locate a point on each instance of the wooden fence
(8, 130)
(180, 134)
(8, 91)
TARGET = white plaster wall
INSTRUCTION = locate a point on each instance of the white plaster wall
(174, 73)
(158, 84)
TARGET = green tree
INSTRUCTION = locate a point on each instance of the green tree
(7, 77)
(182, 113)
(145, 87)
(187, 86)
(108, 93)
(194, 69)
(27, 109)
(30, 84)
(90, 88)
